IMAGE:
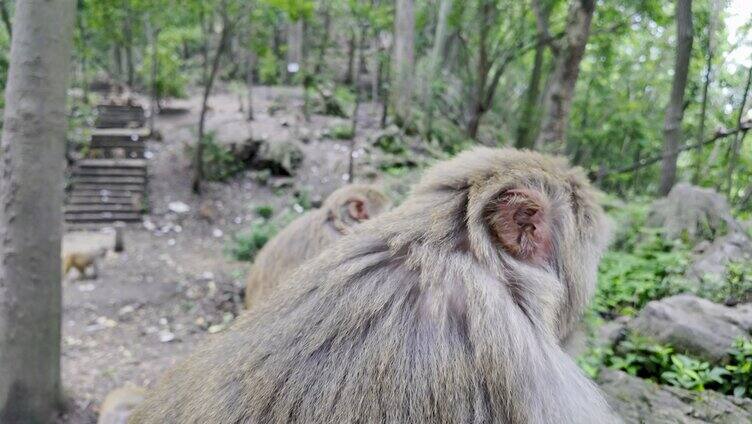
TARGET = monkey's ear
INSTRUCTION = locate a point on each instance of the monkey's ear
(521, 221)
(357, 209)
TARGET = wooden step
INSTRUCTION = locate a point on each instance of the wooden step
(108, 180)
(103, 217)
(99, 200)
(139, 133)
(112, 144)
(113, 194)
(100, 208)
(111, 163)
(109, 187)
(109, 172)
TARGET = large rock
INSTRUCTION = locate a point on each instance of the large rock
(641, 401)
(606, 334)
(711, 259)
(280, 156)
(694, 325)
(693, 212)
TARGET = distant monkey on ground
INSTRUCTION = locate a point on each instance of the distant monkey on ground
(83, 262)
(310, 234)
(448, 309)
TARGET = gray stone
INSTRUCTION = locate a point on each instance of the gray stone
(693, 212)
(644, 402)
(711, 259)
(694, 325)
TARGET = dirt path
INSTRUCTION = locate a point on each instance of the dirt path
(175, 284)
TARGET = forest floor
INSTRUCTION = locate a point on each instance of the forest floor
(175, 284)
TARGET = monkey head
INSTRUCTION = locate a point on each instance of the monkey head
(530, 218)
(353, 204)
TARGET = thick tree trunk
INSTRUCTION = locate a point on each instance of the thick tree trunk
(31, 189)
(675, 110)
(557, 100)
(198, 163)
(404, 60)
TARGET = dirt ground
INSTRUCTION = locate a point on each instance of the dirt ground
(175, 284)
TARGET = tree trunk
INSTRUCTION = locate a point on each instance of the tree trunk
(699, 157)
(154, 107)
(356, 110)
(6, 18)
(736, 144)
(31, 188)
(557, 100)
(675, 111)
(528, 113)
(198, 163)
(404, 60)
(350, 59)
(249, 82)
(128, 33)
(324, 45)
(294, 47)
(439, 41)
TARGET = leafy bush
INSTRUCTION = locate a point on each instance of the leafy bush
(219, 162)
(641, 357)
(268, 68)
(653, 269)
(735, 287)
(246, 245)
(265, 211)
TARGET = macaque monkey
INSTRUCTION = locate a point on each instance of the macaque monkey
(310, 234)
(448, 309)
(83, 262)
(119, 404)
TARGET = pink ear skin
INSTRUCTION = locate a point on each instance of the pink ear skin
(357, 209)
(522, 224)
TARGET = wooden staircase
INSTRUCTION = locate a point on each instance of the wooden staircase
(110, 185)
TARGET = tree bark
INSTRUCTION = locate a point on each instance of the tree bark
(198, 163)
(675, 110)
(31, 189)
(249, 82)
(350, 59)
(404, 60)
(557, 101)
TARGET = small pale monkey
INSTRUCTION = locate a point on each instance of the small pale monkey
(83, 261)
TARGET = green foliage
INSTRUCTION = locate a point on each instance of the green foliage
(268, 68)
(342, 131)
(628, 279)
(246, 245)
(303, 200)
(644, 358)
(265, 211)
(735, 286)
(219, 162)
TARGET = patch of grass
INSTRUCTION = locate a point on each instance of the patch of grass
(341, 132)
(246, 245)
(265, 211)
